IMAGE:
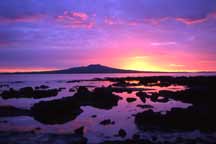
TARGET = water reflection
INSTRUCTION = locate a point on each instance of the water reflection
(122, 114)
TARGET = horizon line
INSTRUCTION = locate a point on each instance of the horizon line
(34, 71)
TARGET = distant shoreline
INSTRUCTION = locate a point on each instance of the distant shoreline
(41, 73)
(96, 69)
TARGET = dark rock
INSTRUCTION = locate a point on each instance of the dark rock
(166, 93)
(129, 100)
(154, 138)
(136, 137)
(94, 116)
(142, 96)
(37, 87)
(11, 93)
(4, 85)
(61, 88)
(67, 109)
(44, 87)
(176, 119)
(10, 111)
(37, 128)
(79, 131)
(99, 98)
(29, 92)
(107, 122)
(4, 121)
(40, 138)
(45, 93)
(26, 91)
(103, 98)
(146, 141)
(128, 141)
(73, 81)
(122, 133)
(71, 90)
(154, 97)
(56, 111)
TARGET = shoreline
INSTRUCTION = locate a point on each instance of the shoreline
(138, 97)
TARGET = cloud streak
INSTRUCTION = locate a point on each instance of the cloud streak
(176, 65)
(163, 43)
(22, 19)
(75, 20)
(190, 21)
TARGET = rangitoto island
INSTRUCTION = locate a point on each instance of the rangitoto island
(92, 68)
(98, 69)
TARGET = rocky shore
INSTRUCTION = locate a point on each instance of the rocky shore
(199, 92)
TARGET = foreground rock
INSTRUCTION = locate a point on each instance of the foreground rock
(197, 88)
(128, 142)
(79, 131)
(198, 95)
(142, 96)
(42, 87)
(4, 85)
(56, 111)
(179, 140)
(67, 109)
(177, 119)
(107, 122)
(155, 97)
(10, 111)
(130, 100)
(102, 98)
(33, 138)
(29, 92)
(122, 133)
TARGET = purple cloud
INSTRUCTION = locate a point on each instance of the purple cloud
(75, 20)
(21, 19)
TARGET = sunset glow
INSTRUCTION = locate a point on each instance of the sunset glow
(146, 35)
(107, 71)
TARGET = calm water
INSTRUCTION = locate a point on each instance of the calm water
(121, 114)
(43, 77)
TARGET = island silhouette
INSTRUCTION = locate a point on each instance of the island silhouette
(96, 69)
(92, 68)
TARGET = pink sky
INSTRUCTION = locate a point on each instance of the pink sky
(146, 35)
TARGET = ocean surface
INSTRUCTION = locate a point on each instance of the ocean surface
(43, 77)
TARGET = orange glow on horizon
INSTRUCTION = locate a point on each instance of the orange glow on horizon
(137, 65)
(141, 66)
(141, 63)
(147, 64)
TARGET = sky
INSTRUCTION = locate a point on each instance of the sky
(151, 35)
